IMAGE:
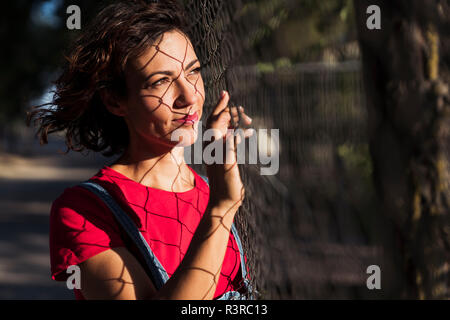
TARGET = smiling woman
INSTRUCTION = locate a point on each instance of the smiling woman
(163, 91)
(146, 226)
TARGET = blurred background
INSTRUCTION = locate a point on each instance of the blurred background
(363, 140)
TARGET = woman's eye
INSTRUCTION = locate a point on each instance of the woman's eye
(167, 80)
(196, 70)
(159, 82)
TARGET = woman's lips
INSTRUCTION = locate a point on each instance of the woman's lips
(188, 119)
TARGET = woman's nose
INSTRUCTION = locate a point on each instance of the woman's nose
(187, 94)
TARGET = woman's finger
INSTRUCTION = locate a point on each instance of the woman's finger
(245, 118)
(235, 118)
(244, 135)
(248, 132)
(222, 104)
(221, 124)
(224, 118)
(234, 110)
(239, 117)
(239, 135)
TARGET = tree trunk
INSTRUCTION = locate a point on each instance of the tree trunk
(406, 75)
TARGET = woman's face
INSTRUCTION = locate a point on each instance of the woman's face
(165, 93)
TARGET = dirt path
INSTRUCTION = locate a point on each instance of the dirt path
(28, 185)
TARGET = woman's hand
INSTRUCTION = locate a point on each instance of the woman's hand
(226, 188)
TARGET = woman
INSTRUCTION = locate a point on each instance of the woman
(131, 85)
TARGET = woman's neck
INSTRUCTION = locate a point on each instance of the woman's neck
(160, 168)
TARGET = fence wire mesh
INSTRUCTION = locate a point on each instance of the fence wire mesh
(308, 231)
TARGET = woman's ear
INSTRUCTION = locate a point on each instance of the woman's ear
(112, 103)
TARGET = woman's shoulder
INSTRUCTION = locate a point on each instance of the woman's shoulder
(79, 200)
(74, 196)
(81, 226)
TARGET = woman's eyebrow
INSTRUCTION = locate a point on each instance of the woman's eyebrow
(170, 73)
(190, 64)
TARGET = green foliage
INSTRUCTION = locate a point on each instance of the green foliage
(356, 158)
(299, 30)
(266, 67)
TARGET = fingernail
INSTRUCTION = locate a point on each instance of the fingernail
(223, 93)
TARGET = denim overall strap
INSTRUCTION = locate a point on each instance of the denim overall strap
(159, 274)
(241, 250)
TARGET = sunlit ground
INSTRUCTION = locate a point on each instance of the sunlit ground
(28, 185)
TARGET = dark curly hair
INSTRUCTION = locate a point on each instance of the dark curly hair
(121, 31)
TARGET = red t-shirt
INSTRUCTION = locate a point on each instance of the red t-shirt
(81, 225)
